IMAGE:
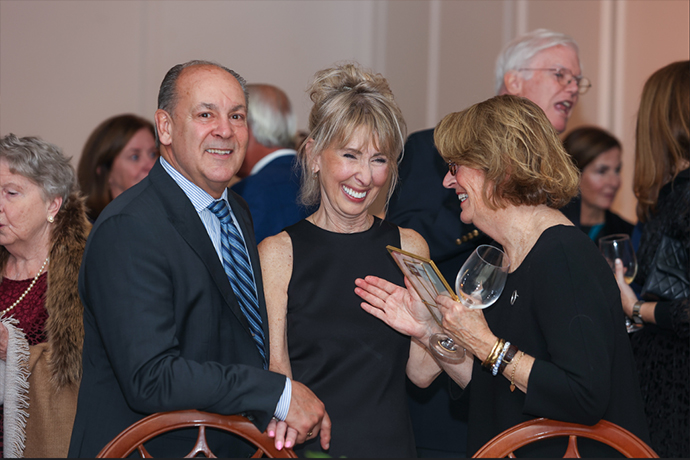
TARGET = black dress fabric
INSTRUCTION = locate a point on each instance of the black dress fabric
(662, 351)
(567, 314)
(351, 360)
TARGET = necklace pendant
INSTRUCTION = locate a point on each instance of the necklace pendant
(514, 297)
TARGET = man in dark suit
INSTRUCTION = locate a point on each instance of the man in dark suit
(543, 66)
(166, 327)
(270, 179)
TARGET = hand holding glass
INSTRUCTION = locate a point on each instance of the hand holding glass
(479, 284)
(619, 246)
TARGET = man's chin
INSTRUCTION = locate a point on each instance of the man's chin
(560, 124)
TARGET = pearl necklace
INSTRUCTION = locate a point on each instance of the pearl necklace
(21, 297)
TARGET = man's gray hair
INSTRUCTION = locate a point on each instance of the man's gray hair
(40, 162)
(270, 116)
(522, 49)
(167, 94)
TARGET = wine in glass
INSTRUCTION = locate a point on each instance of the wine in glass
(619, 246)
(479, 284)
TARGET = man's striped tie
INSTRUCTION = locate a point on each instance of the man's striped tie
(237, 268)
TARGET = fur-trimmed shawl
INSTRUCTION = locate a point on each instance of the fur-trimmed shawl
(65, 323)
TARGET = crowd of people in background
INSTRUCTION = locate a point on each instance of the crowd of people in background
(217, 259)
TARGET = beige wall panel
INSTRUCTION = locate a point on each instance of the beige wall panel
(66, 66)
(407, 57)
(472, 38)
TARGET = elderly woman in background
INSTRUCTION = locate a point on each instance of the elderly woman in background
(598, 156)
(43, 230)
(318, 334)
(556, 335)
(118, 154)
(662, 187)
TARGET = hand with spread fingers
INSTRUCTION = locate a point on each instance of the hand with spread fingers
(400, 308)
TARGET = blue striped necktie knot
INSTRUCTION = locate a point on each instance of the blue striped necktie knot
(238, 269)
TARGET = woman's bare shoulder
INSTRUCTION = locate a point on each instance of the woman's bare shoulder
(275, 252)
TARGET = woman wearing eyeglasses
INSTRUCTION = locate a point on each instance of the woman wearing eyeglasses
(554, 344)
(543, 66)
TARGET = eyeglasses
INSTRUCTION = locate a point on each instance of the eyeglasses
(453, 168)
(565, 77)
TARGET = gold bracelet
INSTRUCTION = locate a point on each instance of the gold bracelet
(493, 354)
(495, 351)
(512, 374)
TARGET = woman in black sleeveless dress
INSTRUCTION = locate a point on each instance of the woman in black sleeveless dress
(319, 334)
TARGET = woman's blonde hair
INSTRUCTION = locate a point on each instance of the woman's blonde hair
(510, 139)
(662, 135)
(348, 98)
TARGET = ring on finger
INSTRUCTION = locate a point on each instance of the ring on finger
(309, 434)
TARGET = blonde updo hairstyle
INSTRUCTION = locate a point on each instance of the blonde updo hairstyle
(347, 98)
(510, 139)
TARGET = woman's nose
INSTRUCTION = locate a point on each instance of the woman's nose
(364, 175)
(449, 180)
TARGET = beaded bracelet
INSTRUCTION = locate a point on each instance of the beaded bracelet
(497, 364)
(508, 358)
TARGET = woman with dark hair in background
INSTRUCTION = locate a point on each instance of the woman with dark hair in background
(662, 187)
(118, 154)
(598, 156)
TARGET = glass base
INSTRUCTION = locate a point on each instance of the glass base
(445, 349)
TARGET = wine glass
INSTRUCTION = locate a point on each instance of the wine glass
(619, 246)
(479, 284)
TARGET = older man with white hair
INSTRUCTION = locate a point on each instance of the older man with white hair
(270, 181)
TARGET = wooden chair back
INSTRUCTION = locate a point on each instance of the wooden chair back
(506, 443)
(145, 429)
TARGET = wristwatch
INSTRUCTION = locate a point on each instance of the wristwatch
(637, 319)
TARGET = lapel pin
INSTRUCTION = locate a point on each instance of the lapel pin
(513, 297)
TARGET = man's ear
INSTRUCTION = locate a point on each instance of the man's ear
(163, 122)
(512, 82)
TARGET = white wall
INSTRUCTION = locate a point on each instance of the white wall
(67, 65)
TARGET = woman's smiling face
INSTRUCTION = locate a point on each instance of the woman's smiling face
(351, 177)
(468, 184)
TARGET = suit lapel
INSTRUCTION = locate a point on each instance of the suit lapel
(186, 221)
